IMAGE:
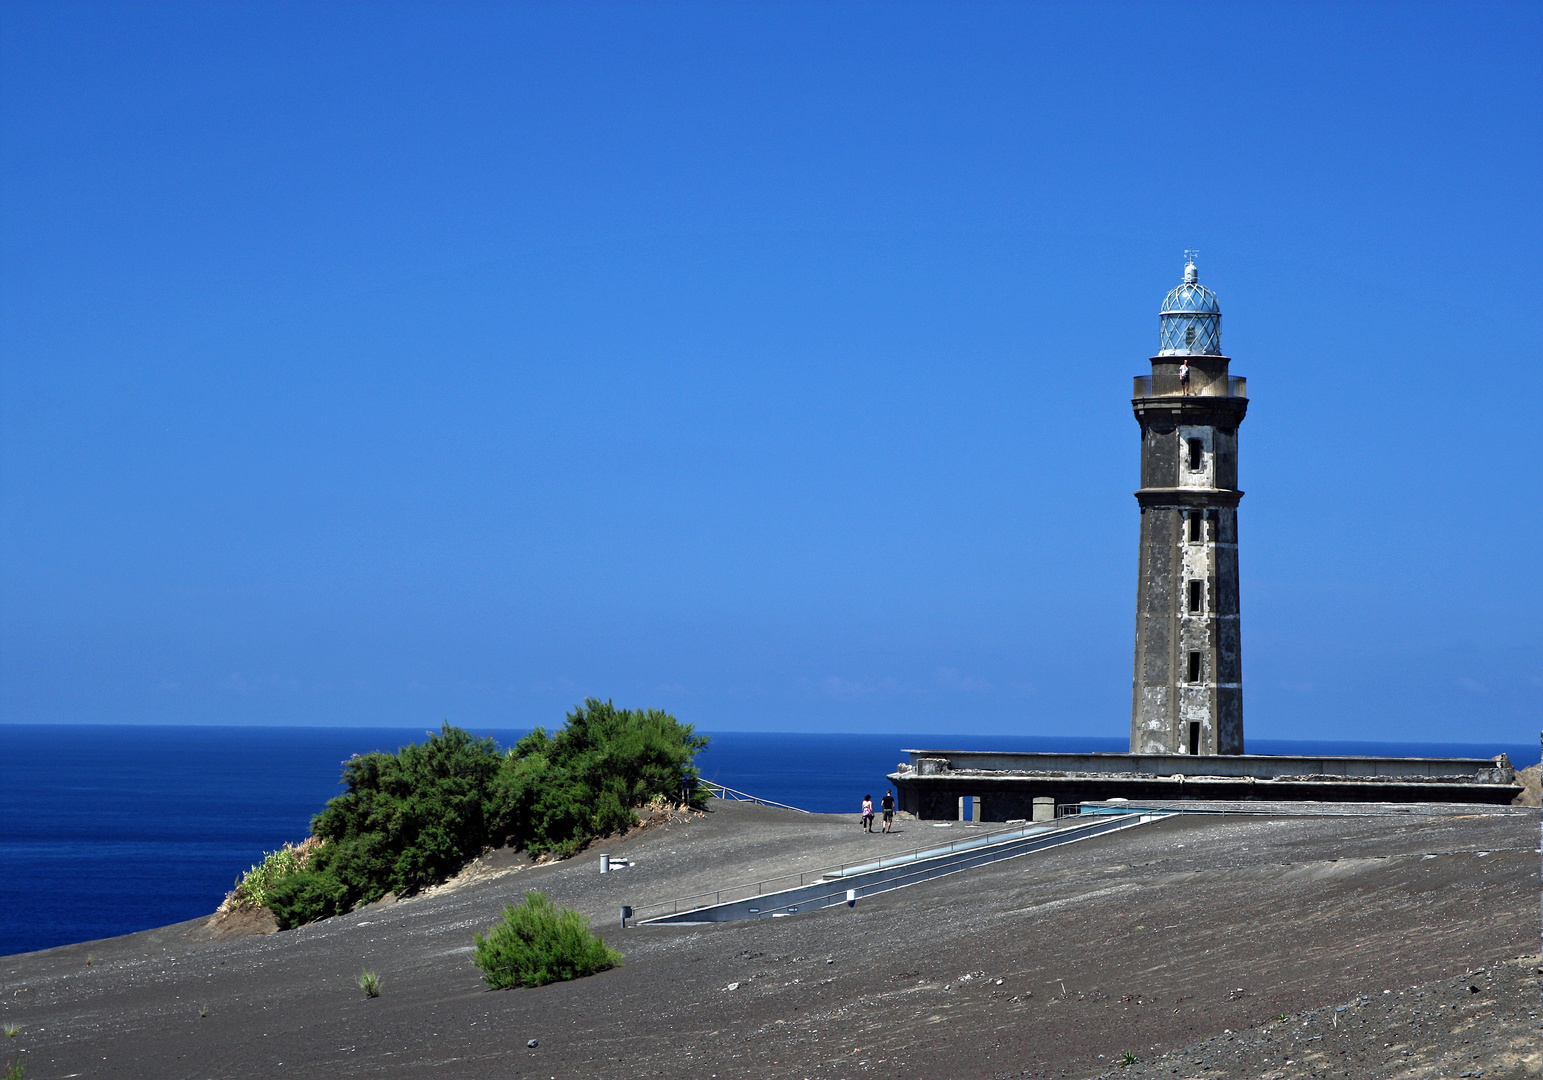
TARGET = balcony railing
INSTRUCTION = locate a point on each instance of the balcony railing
(1237, 386)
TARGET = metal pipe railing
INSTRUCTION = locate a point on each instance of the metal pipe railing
(834, 869)
(929, 869)
(728, 794)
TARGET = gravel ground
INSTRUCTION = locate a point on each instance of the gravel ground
(1178, 934)
(1484, 1023)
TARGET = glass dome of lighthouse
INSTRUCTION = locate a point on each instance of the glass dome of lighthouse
(1190, 323)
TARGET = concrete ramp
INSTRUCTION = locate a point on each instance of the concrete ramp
(883, 875)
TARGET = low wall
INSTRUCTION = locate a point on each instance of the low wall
(1006, 785)
(1258, 766)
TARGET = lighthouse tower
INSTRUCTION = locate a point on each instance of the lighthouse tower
(1188, 694)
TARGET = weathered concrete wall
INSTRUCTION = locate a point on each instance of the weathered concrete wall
(1005, 797)
(1188, 500)
(1260, 766)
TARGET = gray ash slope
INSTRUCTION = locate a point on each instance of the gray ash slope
(1147, 941)
(1483, 1023)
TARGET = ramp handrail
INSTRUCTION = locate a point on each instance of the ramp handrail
(673, 907)
(728, 794)
(929, 868)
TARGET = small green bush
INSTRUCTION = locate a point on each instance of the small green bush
(539, 943)
(13, 1070)
(369, 982)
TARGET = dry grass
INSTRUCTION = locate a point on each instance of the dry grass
(251, 891)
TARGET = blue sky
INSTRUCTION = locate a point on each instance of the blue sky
(766, 363)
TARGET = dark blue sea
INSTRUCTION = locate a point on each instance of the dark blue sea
(106, 830)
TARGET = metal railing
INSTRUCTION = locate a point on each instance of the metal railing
(870, 880)
(1237, 387)
(728, 794)
(804, 877)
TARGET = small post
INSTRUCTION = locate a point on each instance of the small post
(605, 864)
(626, 913)
(851, 898)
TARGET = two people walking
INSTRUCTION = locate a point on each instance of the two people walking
(888, 806)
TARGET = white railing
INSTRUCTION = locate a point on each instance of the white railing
(728, 794)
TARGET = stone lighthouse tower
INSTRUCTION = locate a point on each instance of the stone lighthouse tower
(1188, 694)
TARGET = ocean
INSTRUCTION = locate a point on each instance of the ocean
(111, 829)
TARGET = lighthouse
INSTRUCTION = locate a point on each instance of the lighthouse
(1187, 694)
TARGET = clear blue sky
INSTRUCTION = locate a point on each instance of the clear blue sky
(379, 364)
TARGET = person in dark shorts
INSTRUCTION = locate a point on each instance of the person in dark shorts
(867, 813)
(888, 806)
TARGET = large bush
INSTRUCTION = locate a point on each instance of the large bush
(417, 816)
(556, 793)
(539, 943)
(407, 819)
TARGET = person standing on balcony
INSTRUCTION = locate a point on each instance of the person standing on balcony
(1184, 378)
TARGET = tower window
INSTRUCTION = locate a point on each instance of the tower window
(1196, 595)
(1194, 667)
(1196, 454)
(1194, 737)
(1196, 528)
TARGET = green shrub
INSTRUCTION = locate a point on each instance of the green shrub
(415, 817)
(407, 820)
(556, 793)
(539, 943)
(369, 982)
(307, 896)
(410, 818)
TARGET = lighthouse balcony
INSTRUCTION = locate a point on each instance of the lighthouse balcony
(1165, 383)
